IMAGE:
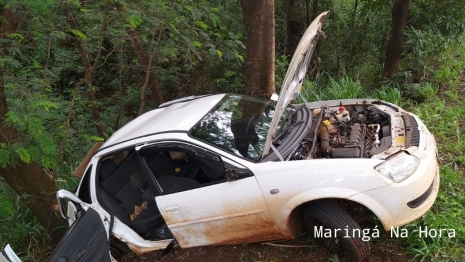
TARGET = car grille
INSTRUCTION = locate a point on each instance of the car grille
(411, 126)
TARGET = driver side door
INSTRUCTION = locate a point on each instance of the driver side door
(217, 212)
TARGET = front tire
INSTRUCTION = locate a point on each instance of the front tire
(326, 216)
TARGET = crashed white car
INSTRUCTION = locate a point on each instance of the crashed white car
(228, 169)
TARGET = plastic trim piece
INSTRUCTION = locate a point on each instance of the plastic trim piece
(421, 199)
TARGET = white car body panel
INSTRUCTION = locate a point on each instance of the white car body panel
(8, 255)
(176, 117)
(226, 213)
(302, 181)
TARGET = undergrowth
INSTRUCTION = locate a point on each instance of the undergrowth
(19, 227)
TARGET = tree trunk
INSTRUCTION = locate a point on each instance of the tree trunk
(308, 16)
(88, 78)
(296, 22)
(315, 9)
(260, 44)
(400, 14)
(29, 181)
(143, 57)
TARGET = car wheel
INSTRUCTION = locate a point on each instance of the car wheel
(325, 216)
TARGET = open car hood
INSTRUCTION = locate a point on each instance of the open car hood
(292, 85)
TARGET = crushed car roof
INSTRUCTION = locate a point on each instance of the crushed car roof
(176, 117)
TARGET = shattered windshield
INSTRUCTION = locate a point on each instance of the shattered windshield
(238, 124)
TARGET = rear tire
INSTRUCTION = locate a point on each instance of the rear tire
(325, 215)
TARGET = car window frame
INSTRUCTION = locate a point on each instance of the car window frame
(86, 181)
(175, 143)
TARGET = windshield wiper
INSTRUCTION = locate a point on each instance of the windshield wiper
(286, 130)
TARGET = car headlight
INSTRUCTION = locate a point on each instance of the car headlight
(398, 167)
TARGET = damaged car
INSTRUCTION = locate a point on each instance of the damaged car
(227, 169)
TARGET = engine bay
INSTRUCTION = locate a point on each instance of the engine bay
(351, 131)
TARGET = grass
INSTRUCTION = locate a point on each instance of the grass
(444, 115)
(20, 228)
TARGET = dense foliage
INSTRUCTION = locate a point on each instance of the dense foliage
(192, 47)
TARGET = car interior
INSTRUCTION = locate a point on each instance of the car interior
(126, 187)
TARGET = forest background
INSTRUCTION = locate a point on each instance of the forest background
(72, 72)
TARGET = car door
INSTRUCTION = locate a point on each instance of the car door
(88, 233)
(219, 211)
(85, 240)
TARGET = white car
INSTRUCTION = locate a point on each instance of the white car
(228, 169)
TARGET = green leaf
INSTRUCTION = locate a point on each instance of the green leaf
(47, 145)
(241, 58)
(14, 118)
(97, 138)
(229, 73)
(4, 157)
(197, 44)
(6, 207)
(79, 34)
(47, 105)
(16, 36)
(135, 20)
(23, 155)
(201, 25)
(220, 54)
(86, 10)
(35, 126)
(48, 162)
(214, 18)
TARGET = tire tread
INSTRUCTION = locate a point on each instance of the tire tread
(332, 215)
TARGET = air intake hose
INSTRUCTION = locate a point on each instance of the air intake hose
(327, 150)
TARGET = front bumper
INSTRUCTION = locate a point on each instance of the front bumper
(401, 203)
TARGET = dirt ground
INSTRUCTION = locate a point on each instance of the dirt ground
(299, 249)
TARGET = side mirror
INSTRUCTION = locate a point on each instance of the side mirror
(235, 174)
(63, 195)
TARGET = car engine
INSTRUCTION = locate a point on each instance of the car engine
(340, 132)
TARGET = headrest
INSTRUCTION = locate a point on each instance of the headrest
(107, 167)
(148, 195)
(138, 181)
